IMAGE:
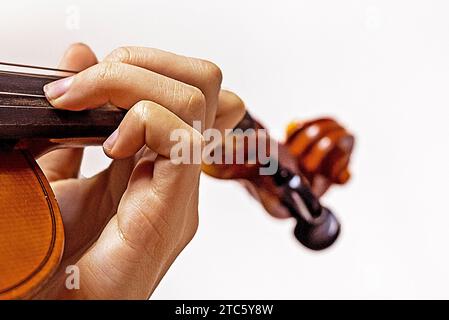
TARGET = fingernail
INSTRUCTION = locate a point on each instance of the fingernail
(56, 89)
(109, 143)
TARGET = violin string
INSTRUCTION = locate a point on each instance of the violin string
(30, 75)
(21, 94)
(9, 64)
(13, 73)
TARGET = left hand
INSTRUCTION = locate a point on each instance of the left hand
(125, 226)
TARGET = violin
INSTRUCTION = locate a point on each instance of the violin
(314, 156)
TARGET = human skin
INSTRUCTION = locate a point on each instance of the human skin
(125, 226)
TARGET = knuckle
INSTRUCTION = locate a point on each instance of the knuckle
(196, 104)
(146, 114)
(107, 70)
(212, 73)
(143, 110)
(121, 54)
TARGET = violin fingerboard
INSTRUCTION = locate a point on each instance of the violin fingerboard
(39, 120)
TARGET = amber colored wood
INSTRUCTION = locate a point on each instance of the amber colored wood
(31, 229)
(322, 148)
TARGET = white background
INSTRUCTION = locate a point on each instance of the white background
(380, 67)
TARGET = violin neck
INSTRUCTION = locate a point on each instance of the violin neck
(38, 119)
(25, 113)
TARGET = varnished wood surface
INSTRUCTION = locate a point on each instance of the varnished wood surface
(19, 122)
(322, 148)
(31, 230)
(26, 113)
(23, 83)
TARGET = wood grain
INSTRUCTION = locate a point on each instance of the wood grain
(31, 230)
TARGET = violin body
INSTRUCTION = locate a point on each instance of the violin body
(31, 230)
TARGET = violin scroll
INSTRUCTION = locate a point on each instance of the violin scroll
(322, 148)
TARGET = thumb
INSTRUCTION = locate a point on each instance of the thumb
(157, 217)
